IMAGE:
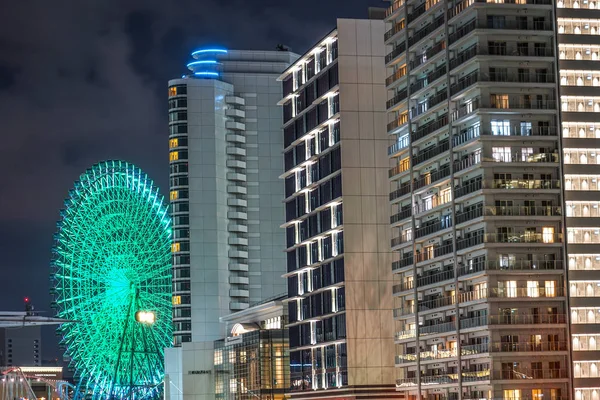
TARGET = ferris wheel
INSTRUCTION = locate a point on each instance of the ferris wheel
(111, 271)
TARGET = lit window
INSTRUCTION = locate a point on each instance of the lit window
(176, 300)
(175, 247)
(218, 357)
(501, 154)
(500, 127)
(548, 234)
(512, 394)
(174, 156)
(499, 100)
(404, 164)
(550, 288)
(174, 195)
(510, 287)
(533, 289)
(173, 143)
(172, 91)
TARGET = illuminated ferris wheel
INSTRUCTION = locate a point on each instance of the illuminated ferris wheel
(111, 270)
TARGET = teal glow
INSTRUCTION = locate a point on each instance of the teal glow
(112, 258)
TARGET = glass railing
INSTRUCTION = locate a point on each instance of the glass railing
(521, 319)
(525, 184)
(583, 235)
(513, 49)
(531, 292)
(503, 347)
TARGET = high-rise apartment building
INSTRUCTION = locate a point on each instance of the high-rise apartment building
(579, 63)
(225, 156)
(477, 219)
(337, 217)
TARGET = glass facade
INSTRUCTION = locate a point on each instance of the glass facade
(314, 222)
(253, 365)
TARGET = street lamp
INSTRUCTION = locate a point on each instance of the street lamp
(145, 317)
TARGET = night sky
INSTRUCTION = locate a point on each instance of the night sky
(85, 81)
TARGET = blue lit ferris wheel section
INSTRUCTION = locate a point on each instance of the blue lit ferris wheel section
(205, 64)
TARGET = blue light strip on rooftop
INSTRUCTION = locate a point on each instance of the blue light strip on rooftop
(201, 62)
(206, 73)
(223, 51)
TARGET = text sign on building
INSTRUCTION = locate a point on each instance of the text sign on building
(201, 372)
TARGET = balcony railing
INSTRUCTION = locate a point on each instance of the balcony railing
(535, 292)
(522, 157)
(521, 319)
(463, 5)
(396, 52)
(403, 238)
(422, 58)
(429, 128)
(421, 33)
(428, 154)
(395, 76)
(395, 5)
(432, 228)
(511, 49)
(526, 373)
(401, 191)
(500, 24)
(430, 103)
(476, 131)
(432, 177)
(398, 26)
(399, 145)
(399, 97)
(403, 263)
(466, 376)
(466, 109)
(438, 251)
(525, 184)
(399, 216)
(469, 215)
(503, 347)
(517, 237)
(468, 188)
(517, 265)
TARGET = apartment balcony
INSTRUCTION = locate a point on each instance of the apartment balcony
(437, 251)
(430, 279)
(530, 374)
(236, 164)
(465, 109)
(396, 5)
(400, 73)
(234, 125)
(516, 266)
(431, 102)
(429, 153)
(238, 254)
(238, 188)
(433, 228)
(426, 82)
(402, 191)
(236, 176)
(546, 26)
(510, 238)
(237, 241)
(510, 50)
(445, 379)
(432, 177)
(464, 190)
(403, 263)
(528, 184)
(400, 216)
(537, 293)
(472, 133)
(428, 128)
(428, 55)
(238, 266)
(397, 28)
(464, 5)
(394, 54)
(401, 144)
(237, 226)
(235, 113)
(238, 306)
(503, 347)
(402, 239)
(239, 280)
(237, 215)
(236, 100)
(426, 31)
(236, 151)
(239, 293)
(398, 122)
(235, 202)
(233, 138)
(397, 99)
(519, 78)
(398, 170)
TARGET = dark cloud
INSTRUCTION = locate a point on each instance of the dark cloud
(85, 81)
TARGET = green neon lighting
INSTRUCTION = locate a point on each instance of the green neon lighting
(111, 259)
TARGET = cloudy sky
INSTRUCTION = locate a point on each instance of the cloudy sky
(84, 81)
